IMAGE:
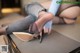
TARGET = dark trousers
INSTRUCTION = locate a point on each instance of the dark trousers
(21, 25)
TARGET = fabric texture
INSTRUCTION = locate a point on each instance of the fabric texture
(34, 8)
(21, 25)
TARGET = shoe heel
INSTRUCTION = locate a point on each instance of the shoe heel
(41, 36)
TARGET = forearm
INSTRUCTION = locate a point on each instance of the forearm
(53, 9)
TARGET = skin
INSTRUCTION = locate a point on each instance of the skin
(43, 19)
(71, 12)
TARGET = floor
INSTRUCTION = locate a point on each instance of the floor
(53, 43)
(10, 18)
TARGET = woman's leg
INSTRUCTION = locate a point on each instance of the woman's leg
(55, 20)
(60, 19)
(34, 8)
(43, 19)
(66, 11)
(65, 6)
(70, 13)
(20, 25)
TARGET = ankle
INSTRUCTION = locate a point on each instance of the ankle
(38, 27)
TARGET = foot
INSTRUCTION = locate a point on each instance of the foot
(34, 30)
(37, 32)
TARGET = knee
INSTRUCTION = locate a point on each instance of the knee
(71, 12)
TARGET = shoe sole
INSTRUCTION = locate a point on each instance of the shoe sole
(23, 36)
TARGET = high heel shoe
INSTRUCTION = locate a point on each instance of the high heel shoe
(36, 33)
(31, 35)
(23, 36)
